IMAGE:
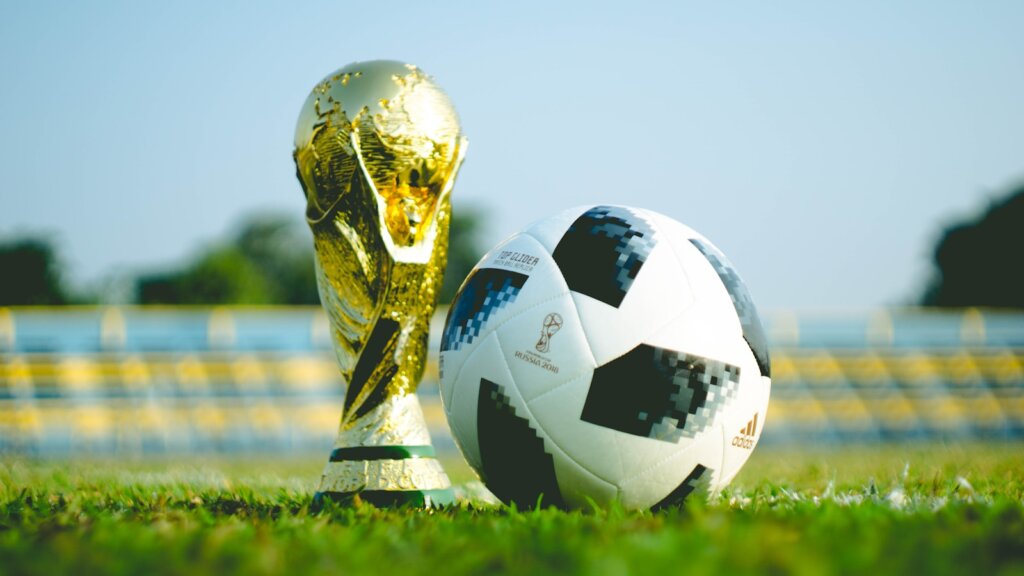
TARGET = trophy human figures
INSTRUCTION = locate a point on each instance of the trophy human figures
(377, 148)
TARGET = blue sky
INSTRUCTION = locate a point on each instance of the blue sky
(820, 145)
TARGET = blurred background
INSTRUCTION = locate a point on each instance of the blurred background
(859, 162)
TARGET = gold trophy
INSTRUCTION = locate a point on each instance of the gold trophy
(377, 148)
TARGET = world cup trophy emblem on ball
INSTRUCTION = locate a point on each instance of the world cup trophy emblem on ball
(377, 148)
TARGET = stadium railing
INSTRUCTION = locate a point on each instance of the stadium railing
(185, 380)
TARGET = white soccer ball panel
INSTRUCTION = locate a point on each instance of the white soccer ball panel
(544, 346)
(743, 426)
(660, 292)
(698, 255)
(659, 479)
(557, 413)
(548, 231)
(709, 330)
(462, 391)
(673, 228)
(522, 253)
(579, 485)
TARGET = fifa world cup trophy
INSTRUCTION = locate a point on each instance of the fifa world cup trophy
(377, 148)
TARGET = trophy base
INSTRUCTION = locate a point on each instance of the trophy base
(386, 459)
(439, 498)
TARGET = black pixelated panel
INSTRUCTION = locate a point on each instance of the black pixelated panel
(485, 291)
(679, 494)
(603, 251)
(753, 332)
(660, 394)
(516, 468)
(376, 366)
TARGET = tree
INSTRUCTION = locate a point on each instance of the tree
(222, 275)
(978, 262)
(268, 261)
(31, 274)
(281, 250)
(463, 249)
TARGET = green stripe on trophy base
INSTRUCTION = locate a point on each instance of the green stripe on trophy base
(436, 498)
(381, 453)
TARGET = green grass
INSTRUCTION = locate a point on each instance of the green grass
(890, 510)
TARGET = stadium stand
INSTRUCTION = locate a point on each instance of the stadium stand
(139, 380)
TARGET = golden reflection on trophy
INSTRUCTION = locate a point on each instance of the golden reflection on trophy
(377, 148)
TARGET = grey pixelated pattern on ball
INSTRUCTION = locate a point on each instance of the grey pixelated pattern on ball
(693, 377)
(603, 251)
(486, 291)
(753, 332)
(658, 393)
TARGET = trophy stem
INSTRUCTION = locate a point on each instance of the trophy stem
(385, 458)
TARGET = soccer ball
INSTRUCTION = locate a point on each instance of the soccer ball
(606, 353)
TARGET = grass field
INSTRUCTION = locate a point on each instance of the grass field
(935, 509)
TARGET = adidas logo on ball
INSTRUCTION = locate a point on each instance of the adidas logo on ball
(745, 439)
